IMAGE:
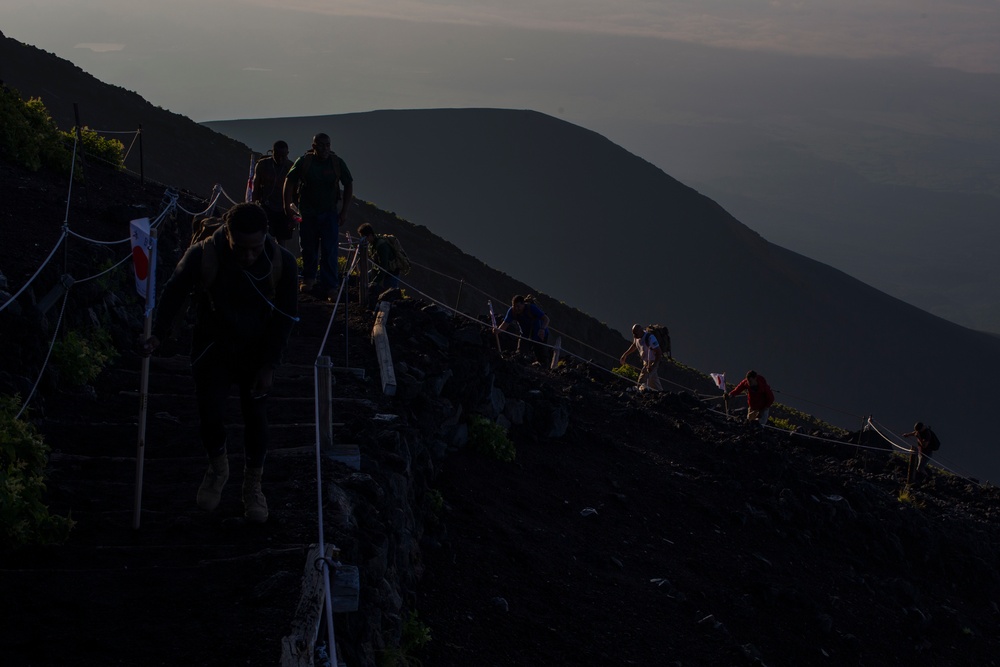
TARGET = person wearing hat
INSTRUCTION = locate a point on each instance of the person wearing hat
(645, 343)
(927, 442)
(759, 396)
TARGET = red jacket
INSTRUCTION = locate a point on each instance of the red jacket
(759, 398)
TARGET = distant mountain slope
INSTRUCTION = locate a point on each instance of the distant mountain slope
(176, 150)
(565, 209)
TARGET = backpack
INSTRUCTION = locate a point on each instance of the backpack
(662, 334)
(933, 442)
(202, 234)
(400, 263)
(306, 163)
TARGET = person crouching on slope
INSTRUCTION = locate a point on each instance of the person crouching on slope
(759, 396)
(534, 325)
(645, 343)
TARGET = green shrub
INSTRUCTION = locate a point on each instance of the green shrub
(489, 438)
(109, 151)
(416, 634)
(435, 501)
(28, 135)
(779, 422)
(81, 359)
(24, 519)
(627, 372)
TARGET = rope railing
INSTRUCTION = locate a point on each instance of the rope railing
(588, 362)
(48, 354)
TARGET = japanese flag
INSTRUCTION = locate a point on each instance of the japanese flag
(144, 260)
(720, 380)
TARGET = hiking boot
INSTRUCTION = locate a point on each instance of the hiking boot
(254, 502)
(210, 491)
(307, 285)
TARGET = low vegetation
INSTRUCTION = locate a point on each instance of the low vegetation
(30, 138)
(80, 358)
(24, 518)
(490, 439)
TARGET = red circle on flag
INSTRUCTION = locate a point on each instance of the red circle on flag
(141, 263)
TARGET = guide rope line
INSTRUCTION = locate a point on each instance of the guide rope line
(336, 305)
(69, 193)
(45, 263)
(111, 268)
(935, 460)
(493, 297)
(45, 362)
(668, 381)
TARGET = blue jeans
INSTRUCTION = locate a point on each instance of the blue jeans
(318, 238)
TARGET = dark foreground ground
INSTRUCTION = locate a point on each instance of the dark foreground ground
(653, 532)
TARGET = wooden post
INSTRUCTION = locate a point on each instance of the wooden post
(142, 169)
(380, 337)
(363, 269)
(82, 154)
(297, 647)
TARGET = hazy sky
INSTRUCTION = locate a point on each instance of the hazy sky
(897, 92)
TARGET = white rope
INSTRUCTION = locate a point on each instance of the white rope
(934, 460)
(130, 146)
(226, 194)
(336, 304)
(95, 241)
(216, 193)
(45, 363)
(841, 443)
(32, 279)
(108, 270)
(69, 194)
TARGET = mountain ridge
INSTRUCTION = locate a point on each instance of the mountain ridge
(629, 243)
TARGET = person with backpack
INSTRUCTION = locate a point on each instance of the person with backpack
(759, 397)
(646, 344)
(533, 323)
(244, 315)
(268, 183)
(927, 443)
(385, 256)
(313, 186)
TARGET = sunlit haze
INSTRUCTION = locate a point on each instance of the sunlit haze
(764, 106)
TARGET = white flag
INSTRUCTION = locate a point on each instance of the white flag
(144, 260)
(720, 380)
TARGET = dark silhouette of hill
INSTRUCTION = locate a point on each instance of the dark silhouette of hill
(581, 218)
(176, 150)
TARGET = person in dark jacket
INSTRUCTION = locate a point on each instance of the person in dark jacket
(533, 323)
(246, 302)
(313, 185)
(268, 183)
(759, 396)
(927, 442)
(385, 272)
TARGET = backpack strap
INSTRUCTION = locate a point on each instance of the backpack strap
(210, 266)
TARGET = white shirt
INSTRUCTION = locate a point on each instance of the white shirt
(645, 344)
